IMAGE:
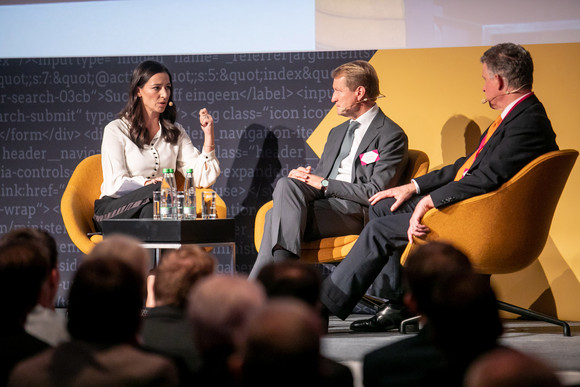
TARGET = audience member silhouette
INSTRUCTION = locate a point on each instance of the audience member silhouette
(454, 302)
(105, 302)
(218, 309)
(465, 323)
(165, 327)
(292, 279)
(505, 367)
(302, 281)
(43, 321)
(23, 269)
(281, 347)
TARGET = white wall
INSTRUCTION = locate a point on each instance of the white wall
(45, 28)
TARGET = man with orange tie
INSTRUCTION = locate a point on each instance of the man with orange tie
(521, 133)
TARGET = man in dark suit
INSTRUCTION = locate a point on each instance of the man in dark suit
(520, 134)
(362, 156)
(441, 285)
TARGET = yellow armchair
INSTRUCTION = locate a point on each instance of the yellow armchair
(505, 230)
(77, 204)
(334, 249)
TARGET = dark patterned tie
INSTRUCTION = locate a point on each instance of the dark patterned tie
(345, 148)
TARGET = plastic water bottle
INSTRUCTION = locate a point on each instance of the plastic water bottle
(173, 183)
(167, 209)
(189, 196)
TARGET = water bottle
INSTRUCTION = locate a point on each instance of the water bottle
(189, 196)
(167, 209)
(173, 183)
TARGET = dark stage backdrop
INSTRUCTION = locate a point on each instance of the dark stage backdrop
(53, 111)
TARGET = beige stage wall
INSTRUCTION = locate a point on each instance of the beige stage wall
(435, 95)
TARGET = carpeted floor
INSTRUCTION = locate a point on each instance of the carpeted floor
(540, 339)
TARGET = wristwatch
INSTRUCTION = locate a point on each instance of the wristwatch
(324, 184)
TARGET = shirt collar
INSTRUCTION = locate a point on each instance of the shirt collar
(514, 103)
(366, 119)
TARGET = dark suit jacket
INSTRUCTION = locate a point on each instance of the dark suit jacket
(16, 345)
(524, 134)
(167, 331)
(410, 362)
(383, 135)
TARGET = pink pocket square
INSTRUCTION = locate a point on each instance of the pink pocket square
(369, 157)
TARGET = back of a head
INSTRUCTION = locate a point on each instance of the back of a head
(105, 302)
(430, 267)
(291, 279)
(218, 308)
(179, 270)
(461, 306)
(29, 234)
(505, 367)
(282, 345)
(359, 73)
(23, 269)
(513, 62)
(125, 248)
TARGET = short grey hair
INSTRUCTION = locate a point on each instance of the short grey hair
(512, 62)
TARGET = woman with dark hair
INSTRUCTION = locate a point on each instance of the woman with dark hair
(144, 140)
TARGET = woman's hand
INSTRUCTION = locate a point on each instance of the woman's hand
(153, 181)
(206, 122)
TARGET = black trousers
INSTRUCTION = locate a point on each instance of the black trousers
(374, 258)
(136, 204)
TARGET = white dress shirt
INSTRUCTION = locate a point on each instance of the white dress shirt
(126, 167)
(345, 168)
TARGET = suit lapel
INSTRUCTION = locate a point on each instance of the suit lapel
(371, 133)
(496, 137)
(333, 147)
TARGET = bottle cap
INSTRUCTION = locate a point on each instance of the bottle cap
(166, 170)
(189, 170)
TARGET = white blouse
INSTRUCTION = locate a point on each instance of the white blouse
(127, 168)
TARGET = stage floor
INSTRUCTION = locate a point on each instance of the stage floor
(539, 339)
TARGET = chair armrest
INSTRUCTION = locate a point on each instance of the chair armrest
(260, 222)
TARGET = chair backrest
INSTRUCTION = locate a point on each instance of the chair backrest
(506, 230)
(77, 205)
(417, 165)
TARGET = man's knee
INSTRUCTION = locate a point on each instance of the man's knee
(283, 183)
(382, 208)
(286, 186)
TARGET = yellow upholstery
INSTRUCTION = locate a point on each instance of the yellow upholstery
(505, 230)
(77, 205)
(334, 249)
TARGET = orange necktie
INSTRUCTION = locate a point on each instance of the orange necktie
(469, 162)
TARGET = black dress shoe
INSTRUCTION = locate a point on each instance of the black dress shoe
(388, 317)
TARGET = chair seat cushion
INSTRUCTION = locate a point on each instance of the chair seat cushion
(331, 242)
(327, 250)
